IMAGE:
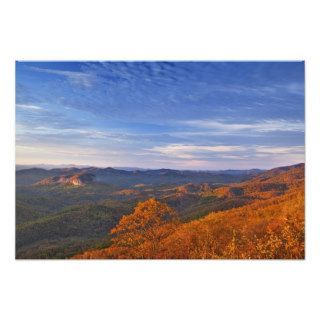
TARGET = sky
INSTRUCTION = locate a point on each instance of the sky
(162, 114)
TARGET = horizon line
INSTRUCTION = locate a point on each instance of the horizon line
(79, 166)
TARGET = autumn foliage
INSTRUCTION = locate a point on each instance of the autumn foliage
(139, 234)
(272, 229)
(271, 226)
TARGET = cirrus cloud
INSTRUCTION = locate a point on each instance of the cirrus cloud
(258, 126)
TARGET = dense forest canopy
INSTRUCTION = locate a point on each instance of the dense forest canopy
(254, 215)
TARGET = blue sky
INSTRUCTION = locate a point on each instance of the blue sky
(183, 115)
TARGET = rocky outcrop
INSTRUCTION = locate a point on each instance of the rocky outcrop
(79, 179)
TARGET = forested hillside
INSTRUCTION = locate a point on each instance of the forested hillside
(61, 212)
(270, 224)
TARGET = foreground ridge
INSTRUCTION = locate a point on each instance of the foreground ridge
(270, 226)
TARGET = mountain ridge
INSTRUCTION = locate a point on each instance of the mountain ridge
(77, 176)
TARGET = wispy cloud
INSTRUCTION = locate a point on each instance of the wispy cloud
(280, 150)
(75, 77)
(232, 152)
(190, 151)
(275, 90)
(28, 107)
(261, 126)
(88, 133)
(172, 148)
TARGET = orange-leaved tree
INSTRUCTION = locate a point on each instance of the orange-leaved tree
(139, 234)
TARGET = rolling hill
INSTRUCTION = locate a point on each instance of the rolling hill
(269, 226)
(63, 212)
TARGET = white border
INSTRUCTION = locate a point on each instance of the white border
(138, 30)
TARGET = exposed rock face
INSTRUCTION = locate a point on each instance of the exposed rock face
(79, 179)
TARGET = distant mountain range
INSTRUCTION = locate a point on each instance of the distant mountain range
(80, 176)
(63, 166)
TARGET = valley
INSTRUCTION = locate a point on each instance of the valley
(61, 213)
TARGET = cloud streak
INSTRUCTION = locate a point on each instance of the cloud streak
(28, 107)
(280, 150)
(176, 148)
(261, 126)
(203, 152)
(193, 151)
(78, 78)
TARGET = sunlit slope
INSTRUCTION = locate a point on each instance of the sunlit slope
(271, 226)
